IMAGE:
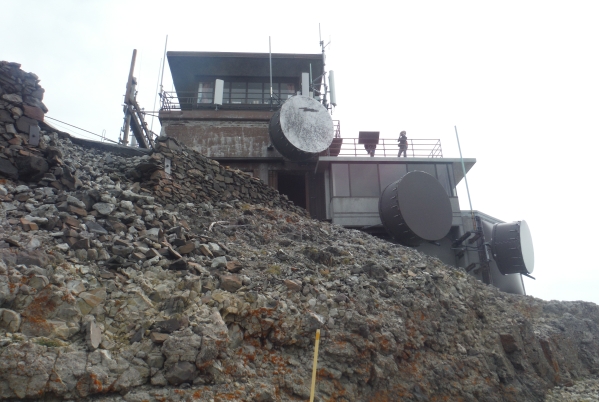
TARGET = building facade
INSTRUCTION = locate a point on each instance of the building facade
(229, 121)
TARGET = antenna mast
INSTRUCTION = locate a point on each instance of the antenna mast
(270, 63)
(163, 60)
(324, 71)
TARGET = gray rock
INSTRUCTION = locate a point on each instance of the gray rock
(10, 320)
(230, 283)
(172, 325)
(7, 169)
(81, 254)
(178, 265)
(13, 98)
(181, 346)
(76, 202)
(219, 262)
(156, 360)
(216, 250)
(180, 373)
(123, 251)
(103, 208)
(8, 206)
(31, 167)
(126, 205)
(96, 228)
(92, 254)
(93, 335)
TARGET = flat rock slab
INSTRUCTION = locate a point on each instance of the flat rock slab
(230, 283)
(104, 208)
(93, 336)
(171, 325)
(178, 265)
(158, 337)
(234, 266)
(187, 248)
(96, 228)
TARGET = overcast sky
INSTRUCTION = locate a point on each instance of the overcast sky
(519, 79)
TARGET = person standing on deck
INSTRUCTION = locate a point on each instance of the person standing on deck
(403, 144)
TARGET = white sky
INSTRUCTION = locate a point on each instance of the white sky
(519, 79)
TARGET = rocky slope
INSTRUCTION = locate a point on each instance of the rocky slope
(119, 281)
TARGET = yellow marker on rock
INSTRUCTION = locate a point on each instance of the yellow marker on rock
(314, 365)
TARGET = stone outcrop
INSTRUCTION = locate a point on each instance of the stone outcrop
(21, 110)
(122, 282)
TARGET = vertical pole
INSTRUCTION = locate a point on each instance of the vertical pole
(324, 71)
(465, 178)
(128, 100)
(163, 60)
(310, 88)
(270, 64)
(155, 97)
(312, 388)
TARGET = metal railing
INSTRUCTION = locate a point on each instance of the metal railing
(417, 148)
(196, 100)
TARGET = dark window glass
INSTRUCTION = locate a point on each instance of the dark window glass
(244, 92)
(238, 92)
(266, 92)
(451, 180)
(287, 90)
(390, 173)
(254, 93)
(422, 167)
(205, 92)
(364, 180)
(227, 92)
(340, 178)
(443, 178)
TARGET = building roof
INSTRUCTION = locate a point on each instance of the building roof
(325, 161)
(186, 67)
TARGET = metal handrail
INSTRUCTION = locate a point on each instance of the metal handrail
(189, 101)
(417, 148)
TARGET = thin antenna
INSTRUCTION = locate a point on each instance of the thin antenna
(319, 35)
(163, 60)
(311, 88)
(270, 63)
(465, 178)
(324, 71)
(155, 96)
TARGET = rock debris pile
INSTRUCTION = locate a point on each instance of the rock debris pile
(122, 282)
(21, 108)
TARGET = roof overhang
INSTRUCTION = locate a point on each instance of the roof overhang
(187, 66)
(324, 162)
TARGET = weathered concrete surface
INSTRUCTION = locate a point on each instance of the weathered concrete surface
(233, 139)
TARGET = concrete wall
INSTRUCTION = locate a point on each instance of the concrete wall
(238, 139)
(355, 211)
(221, 133)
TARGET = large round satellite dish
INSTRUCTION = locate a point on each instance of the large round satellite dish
(415, 208)
(301, 129)
(512, 248)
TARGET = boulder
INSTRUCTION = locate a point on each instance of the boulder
(180, 373)
(230, 283)
(7, 169)
(10, 320)
(103, 208)
(31, 167)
